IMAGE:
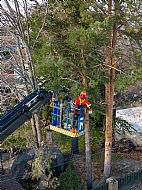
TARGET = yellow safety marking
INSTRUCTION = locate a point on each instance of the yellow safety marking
(65, 132)
(81, 101)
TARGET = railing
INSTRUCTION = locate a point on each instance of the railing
(102, 187)
(63, 116)
(130, 178)
(123, 181)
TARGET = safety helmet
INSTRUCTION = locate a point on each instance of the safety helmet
(83, 95)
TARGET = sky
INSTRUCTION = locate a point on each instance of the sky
(30, 2)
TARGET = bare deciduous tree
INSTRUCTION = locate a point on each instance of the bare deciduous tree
(16, 19)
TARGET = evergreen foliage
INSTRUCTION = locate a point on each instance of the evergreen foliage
(69, 180)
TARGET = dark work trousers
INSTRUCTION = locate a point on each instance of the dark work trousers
(74, 148)
(75, 120)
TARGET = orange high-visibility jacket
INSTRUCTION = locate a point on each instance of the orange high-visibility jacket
(81, 103)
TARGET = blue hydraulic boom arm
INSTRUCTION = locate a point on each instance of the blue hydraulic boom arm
(24, 110)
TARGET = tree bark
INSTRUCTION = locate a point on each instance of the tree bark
(87, 129)
(34, 132)
(88, 152)
(75, 149)
(38, 128)
(108, 131)
(109, 89)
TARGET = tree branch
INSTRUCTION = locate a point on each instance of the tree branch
(43, 24)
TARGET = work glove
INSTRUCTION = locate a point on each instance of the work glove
(90, 111)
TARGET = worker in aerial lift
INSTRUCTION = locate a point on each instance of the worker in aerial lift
(80, 102)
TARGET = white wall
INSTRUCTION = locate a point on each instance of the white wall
(133, 116)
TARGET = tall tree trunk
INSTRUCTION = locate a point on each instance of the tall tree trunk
(88, 151)
(38, 127)
(109, 106)
(34, 132)
(109, 89)
(75, 149)
(87, 129)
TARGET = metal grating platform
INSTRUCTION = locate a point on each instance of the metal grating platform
(65, 132)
